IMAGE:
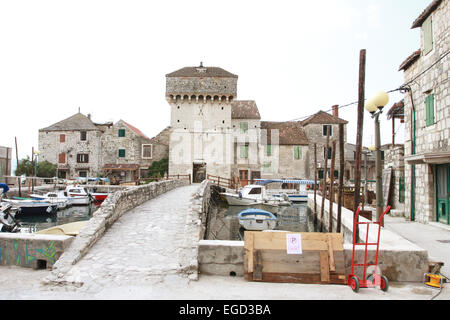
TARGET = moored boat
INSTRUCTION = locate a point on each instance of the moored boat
(79, 195)
(251, 195)
(257, 220)
(299, 194)
(60, 197)
(32, 206)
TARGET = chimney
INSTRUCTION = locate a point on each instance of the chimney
(89, 116)
(335, 110)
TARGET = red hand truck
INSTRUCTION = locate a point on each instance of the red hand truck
(375, 279)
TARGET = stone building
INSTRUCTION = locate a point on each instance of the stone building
(127, 152)
(427, 119)
(5, 164)
(74, 144)
(316, 128)
(213, 133)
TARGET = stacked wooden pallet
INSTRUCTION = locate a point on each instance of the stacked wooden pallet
(321, 260)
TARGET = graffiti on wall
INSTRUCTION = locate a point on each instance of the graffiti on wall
(18, 252)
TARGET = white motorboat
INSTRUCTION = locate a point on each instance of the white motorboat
(61, 198)
(299, 194)
(257, 220)
(251, 195)
(79, 195)
(32, 206)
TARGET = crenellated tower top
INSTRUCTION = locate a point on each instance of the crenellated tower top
(201, 84)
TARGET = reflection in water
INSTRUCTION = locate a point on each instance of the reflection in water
(223, 223)
(34, 223)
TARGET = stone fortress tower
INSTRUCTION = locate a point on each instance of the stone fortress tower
(201, 138)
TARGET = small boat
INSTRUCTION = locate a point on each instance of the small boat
(61, 198)
(300, 194)
(257, 220)
(8, 223)
(30, 206)
(79, 195)
(68, 229)
(99, 196)
(251, 195)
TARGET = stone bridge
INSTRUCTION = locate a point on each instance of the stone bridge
(155, 240)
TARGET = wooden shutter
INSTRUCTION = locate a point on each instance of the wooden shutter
(296, 152)
(62, 138)
(429, 108)
(244, 127)
(427, 29)
(62, 158)
(121, 153)
(269, 149)
(121, 132)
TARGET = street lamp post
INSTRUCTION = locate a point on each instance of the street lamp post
(375, 107)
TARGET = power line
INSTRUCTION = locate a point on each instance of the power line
(400, 88)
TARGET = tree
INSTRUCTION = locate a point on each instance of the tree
(158, 168)
(45, 169)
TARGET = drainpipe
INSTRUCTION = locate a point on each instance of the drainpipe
(413, 151)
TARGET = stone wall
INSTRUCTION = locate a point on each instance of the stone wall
(393, 158)
(110, 211)
(38, 251)
(436, 137)
(50, 148)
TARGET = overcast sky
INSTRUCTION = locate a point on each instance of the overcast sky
(109, 58)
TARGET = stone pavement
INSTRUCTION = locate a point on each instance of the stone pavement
(433, 237)
(151, 241)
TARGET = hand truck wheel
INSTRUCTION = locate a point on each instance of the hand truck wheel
(354, 283)
(384, 283)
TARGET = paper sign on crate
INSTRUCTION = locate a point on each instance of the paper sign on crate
(294, 243)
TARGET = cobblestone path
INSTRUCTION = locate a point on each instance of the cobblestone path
(151, 242)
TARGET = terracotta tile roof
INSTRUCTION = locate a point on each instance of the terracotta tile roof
(410, 60)
(114, 166)
(323, 117)
(244, 110)
(136, 130)
(425, 14)
(202, 72)
(290, 133)
(396, 111)
(76, 122)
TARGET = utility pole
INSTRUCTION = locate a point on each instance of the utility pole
(324, 186)
(315, 183)
(333, 158)
(17, 158)
(341, 175)
(359, 131)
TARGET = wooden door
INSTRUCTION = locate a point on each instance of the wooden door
(243, 177)
(443, 193)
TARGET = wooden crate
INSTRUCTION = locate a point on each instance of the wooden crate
(321, 261)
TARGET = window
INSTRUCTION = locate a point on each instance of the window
(297, 152)
(320, 173)
(121, 132)
(82, 158)
(83, 135)
(121, 153)
(269, 150)
(244, 151)
(62, 138)
(244, 127)
(62, 158)
(429, 108)
(82, 174)
(427, 29)
(329, 152)
(147, 151)
(255, 191)
(324, 129)
(267, 166)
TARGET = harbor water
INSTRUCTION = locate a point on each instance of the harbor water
(223, 222)
(34, 223)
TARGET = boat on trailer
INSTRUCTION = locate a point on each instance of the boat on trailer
(300, 194)
(257, 220)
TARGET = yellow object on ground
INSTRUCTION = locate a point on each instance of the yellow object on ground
(435, 280)
(69, 229)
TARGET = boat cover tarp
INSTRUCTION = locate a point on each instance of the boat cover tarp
(68, 229)
(267, 181)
